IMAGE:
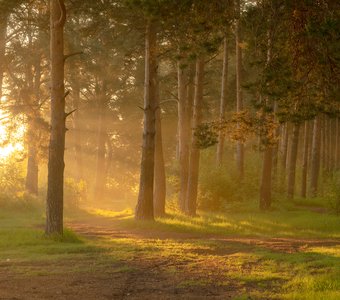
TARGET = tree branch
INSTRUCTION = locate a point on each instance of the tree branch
(69, 113)
(169, 100)
(66, 94)
(72, 54)
(62, 18)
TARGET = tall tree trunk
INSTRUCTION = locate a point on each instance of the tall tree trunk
(315, 160)
(323, 143)
(284, 151)
(109, 159)
(327, 145)
(32, 174)
(267, 176)
(305, 160)
(332, 149)
(223, 102)
(3, 28)
(76, 123)
(337, 143)
(160, 181)
(239, 97)
(292, 160)
(192, 188)
(33, 130)
(100, 179)
(184, 133)
(266, 181)
(31, 183)
(56, 165)
(276, 146)
(144, 208)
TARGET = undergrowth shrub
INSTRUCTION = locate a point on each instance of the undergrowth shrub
(74, 193)
(11, 178)
(332, 192)
(219, 187)
(20, 201)
(12, 186)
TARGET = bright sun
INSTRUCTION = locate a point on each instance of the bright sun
(13, 146)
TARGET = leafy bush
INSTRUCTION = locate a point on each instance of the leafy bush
(11, 178)
(75, 193)
(22, 201)
(332, 192)
(220, 186)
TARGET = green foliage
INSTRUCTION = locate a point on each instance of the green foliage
(206, 135)
(214, 189)
(293, 57)
(332, 192)
(75, 193)
(11, 178)
(241, 126)
(219, 186)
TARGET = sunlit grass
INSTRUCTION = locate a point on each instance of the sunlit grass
(314, 287)
(306, 275)
(124, 214)
(298, 223)
(255, 271)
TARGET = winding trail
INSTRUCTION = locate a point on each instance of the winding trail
(160, 265)
(101, 227)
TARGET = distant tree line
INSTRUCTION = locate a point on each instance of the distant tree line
(238, 73)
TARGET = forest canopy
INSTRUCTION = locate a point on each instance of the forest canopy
(170, 137)
(260, 77)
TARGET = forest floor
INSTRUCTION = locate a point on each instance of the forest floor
(290, 255)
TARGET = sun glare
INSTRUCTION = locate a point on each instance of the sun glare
(7, 148)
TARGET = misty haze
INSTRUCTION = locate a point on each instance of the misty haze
(169, 149)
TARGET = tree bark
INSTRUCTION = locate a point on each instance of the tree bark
(323, 143)
(305, 160)
(31, 183)
(267, 176)
(337, 144)
(332, 133)
(284, 151)
(223, 102)
(32, 174)
(191, 204)
(33, 130)
(184, 133)
(266, 182)
(276, 146)
(315, 160)
(144, 208)
(56, 165)
(76, 122)
(160, 181)
(100, 179)
(292, 160)
(239, 97)
(327, 145)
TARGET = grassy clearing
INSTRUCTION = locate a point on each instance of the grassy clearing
(261, 273)
(252, 270)
(297, 223)
(22, 239)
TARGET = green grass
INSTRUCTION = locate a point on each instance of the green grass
(255, 271)
(22, 238)
(297, 223)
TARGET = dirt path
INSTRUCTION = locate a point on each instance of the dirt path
(102, 227)
(194, 273)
